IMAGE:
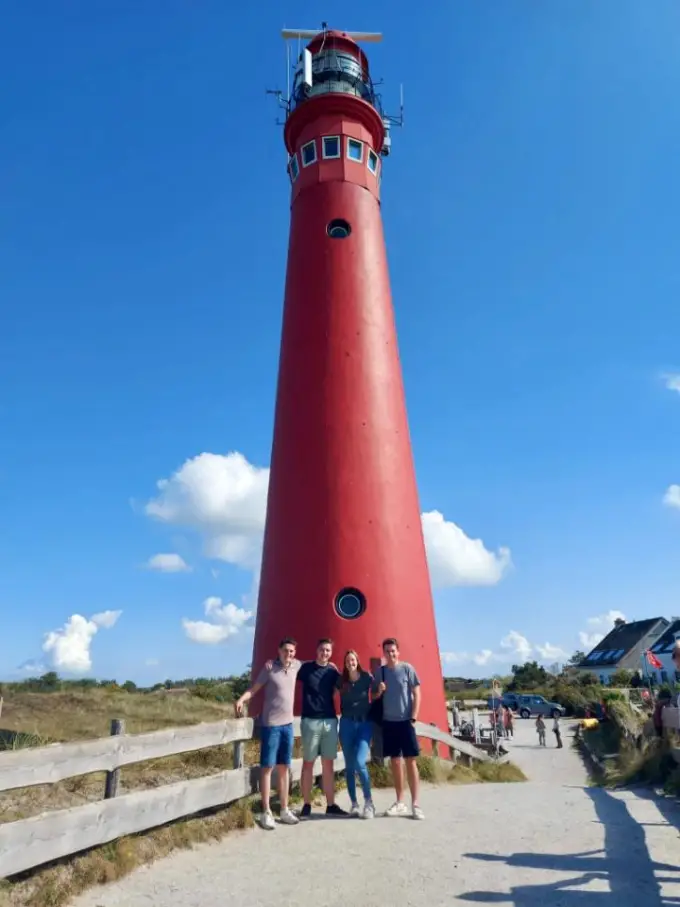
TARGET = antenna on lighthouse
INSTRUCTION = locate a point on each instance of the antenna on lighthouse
(368, 37)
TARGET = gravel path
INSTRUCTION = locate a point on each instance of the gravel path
(552, 842)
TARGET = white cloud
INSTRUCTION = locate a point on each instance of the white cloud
(598, 627)
(512, 649)
(518, 645)
(105, 619)
(168, 563)
(672, 496)
(222, 497)
(673, 382)
(457, 560)
(34, 668)
(68, 648)
(549, 652)
(151, 663)
(227, 620)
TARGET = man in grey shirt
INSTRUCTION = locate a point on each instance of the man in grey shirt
(399, 686)
(276, 731)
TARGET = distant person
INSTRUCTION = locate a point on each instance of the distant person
(498, 722)
(400, 691)
(540, 730)
(356, 731)
(556, 730)
(319, 679)
(507, 722)
(277, 679)
(663, 701)
(676, 661)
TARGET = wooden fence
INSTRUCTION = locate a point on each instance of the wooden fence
(28, 843)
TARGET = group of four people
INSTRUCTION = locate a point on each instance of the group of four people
(397, 686)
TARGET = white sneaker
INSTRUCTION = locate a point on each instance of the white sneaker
(397, 809)
(369, 810)
(267, 821)
(418, 813)
(286, 817)
(355, 811)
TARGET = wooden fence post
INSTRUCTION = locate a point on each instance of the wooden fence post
(434, 744)
(112, 778)
(238, 754)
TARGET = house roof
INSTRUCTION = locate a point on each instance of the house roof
(619, 642)
(665, 643)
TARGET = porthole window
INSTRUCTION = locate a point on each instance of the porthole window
(308, 154)
(350, 603)
(293, 168)
(331, 146)
(338, 229)
(372, 161)
(355, 150)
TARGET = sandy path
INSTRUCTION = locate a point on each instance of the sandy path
(552, 842)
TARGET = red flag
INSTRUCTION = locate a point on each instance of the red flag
(653, 660)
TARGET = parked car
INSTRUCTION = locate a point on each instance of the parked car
(527, 704)
(538, 705)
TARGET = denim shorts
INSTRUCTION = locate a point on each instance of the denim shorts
(276, 745)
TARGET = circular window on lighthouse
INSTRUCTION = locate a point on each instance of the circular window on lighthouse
(338, 229)
(350, 603)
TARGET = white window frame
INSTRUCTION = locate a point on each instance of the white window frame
(293, 161)
(356, 160)
(330, 157)
(372, 156)
(302, 154)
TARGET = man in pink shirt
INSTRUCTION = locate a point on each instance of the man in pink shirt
(276, 730)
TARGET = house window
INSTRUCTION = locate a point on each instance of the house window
(308, 154)
(331, 146)
(664, 677)
(355, 150)
(293, 167)
(373, 161)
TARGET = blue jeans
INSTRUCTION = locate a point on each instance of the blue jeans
(355, 737)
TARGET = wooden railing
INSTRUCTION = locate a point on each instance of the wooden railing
(28, 843)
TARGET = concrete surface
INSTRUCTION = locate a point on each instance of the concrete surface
(551, 842)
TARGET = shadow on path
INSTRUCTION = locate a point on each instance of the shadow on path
(624, 863)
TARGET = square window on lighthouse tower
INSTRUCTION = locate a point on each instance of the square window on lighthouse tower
(331, 146)
(308, 153)
(372, 161)
(355, 150)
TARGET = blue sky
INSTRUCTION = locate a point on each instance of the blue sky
(530, 210)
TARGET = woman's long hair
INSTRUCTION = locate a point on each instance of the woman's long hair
(345, 670)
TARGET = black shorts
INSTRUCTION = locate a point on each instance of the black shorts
(399, 739)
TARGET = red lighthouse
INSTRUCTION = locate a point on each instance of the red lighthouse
(344, 555)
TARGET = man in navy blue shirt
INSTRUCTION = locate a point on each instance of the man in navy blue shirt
(319, 724)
